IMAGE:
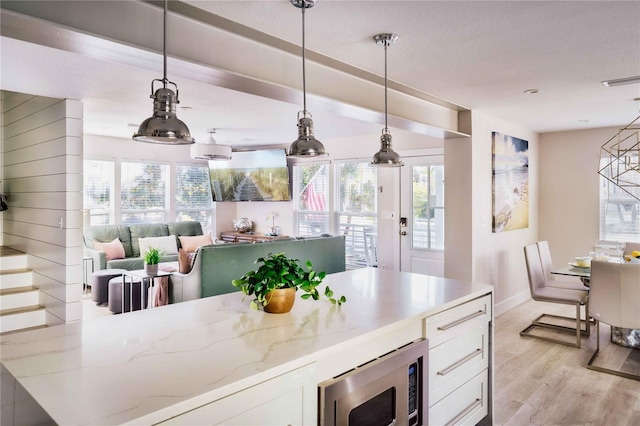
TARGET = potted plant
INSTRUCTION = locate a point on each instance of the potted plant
(276, 281)
(151, 260)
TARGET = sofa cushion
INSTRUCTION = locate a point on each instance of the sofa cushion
(144, 231)
(113, 249)
(107, 233)
(167, 245)
(136, 263)
(192, 243)
(184, 228)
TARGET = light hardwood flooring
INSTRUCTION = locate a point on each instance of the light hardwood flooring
(545, 383)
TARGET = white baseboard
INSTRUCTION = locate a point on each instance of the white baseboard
(510, 303)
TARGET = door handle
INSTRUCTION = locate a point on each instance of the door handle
(403, 233)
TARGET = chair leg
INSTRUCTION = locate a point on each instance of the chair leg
(590, 365)
(579, 332)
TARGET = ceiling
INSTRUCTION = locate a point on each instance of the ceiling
(481, 55)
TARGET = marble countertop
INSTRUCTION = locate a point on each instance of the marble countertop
(146, 366)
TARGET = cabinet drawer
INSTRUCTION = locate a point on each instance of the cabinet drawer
(457, 360)
(448, 324)
(467, 405)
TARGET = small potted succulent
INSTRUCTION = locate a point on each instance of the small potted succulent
(276, 281)
(151, 260)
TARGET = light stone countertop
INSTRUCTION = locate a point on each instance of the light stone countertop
(146, 366)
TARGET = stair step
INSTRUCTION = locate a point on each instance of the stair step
(12, 259)
(22, 318)
(23, 329)
(15, 278)
(18, 297)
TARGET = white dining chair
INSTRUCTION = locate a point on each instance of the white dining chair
(615, 300)
(542, 292)
(547, 267)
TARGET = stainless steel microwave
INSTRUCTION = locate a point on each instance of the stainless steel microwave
(389, 390)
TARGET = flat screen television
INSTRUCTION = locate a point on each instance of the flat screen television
(260, 175)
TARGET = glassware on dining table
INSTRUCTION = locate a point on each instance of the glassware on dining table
(620, 246)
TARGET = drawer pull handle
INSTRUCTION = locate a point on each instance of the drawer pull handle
(461, 320)
(477, 403)
(457, 364)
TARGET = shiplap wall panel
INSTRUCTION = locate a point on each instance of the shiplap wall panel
(44, 150)
(62, 292)
(49, 183)
(47, 200)
(42, 167)
(20, 106)
(47, 166)
(47, 217)
(58, 236)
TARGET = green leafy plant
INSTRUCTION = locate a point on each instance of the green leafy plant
(280, 271)
(152, 256)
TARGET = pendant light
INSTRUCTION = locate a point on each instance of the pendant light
(210, 151)
(386, 157)
(164, 127)
(306, 145)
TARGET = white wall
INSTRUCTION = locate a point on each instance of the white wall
(569, 191)
(498, 258)
(43, 180)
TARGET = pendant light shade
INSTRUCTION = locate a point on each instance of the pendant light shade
(306, 145)
(164, 127)
(210, 151)
(386, 157)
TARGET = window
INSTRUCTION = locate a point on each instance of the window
(428, 207)
(98, 191)
(356, 207)
(619, 211)
(193, 195)
(311, 195)
(144, 192)
(348, 207)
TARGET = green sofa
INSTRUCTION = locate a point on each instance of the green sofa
(128, 235)
(216, 265)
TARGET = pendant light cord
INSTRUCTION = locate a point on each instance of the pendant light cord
(304, 79)
(385, 86)
(164, 44)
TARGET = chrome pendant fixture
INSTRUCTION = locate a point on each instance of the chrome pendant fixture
(386, 157)
(210, 151)
(306, 145)
(164, 127)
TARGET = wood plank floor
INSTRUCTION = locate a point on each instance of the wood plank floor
(545, 383)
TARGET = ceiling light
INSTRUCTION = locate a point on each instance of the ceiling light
(386, 157)
(164, 127)
(306, 145)
(621, 81)
(210, 151)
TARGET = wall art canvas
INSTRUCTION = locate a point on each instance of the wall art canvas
(510, 183)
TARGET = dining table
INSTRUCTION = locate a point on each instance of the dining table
(584, 273)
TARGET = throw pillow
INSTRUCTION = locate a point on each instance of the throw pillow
(167, 245)
(113, 249)
(185, 262)
(191, 244)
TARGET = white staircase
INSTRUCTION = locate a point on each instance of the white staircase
(19, 301)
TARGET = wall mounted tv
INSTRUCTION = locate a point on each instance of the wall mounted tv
(260, 175)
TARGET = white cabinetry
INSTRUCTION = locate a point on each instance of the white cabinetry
(289, 399)
(459, 360)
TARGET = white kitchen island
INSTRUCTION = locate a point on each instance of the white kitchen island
(216, 360)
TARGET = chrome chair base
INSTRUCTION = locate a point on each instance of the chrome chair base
(578, 330)
(590, 365)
